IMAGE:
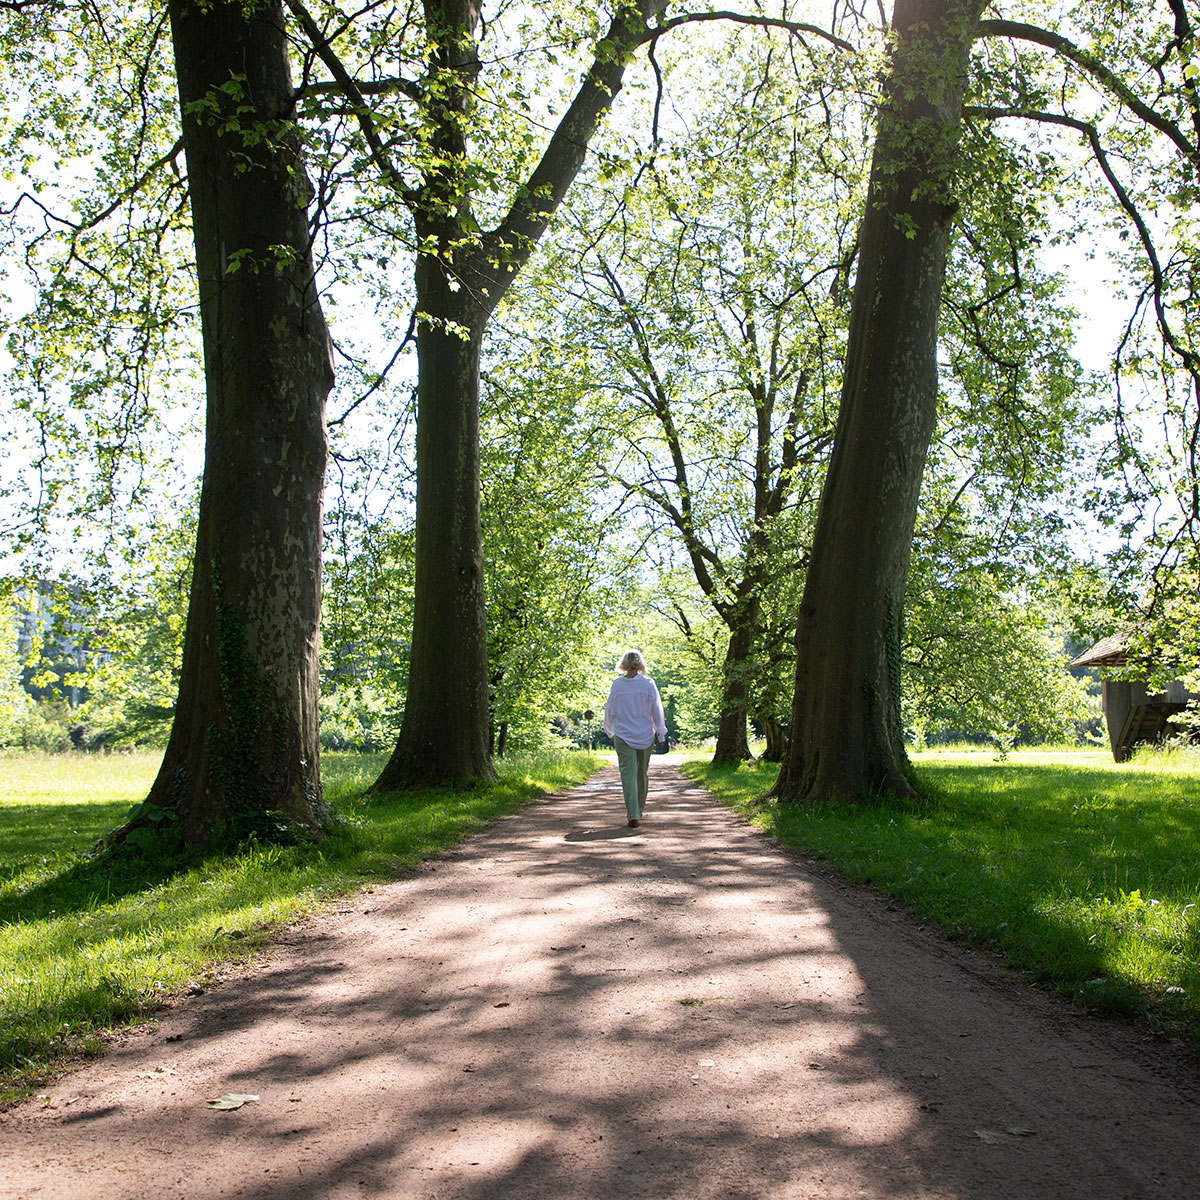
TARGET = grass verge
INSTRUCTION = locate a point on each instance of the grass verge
(88, 945)
(1083, 874)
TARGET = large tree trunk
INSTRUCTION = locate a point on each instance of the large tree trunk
(444, 734)
(243, 756)
(846, 737)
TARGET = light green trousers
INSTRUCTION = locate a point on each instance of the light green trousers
(634, 766)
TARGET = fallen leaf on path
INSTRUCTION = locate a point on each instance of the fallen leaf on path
(1021, 1131)
(992, 1136)
(232, 1100)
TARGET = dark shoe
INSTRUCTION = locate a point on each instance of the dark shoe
(632, 824)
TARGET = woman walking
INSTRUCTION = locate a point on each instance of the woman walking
(633, 718)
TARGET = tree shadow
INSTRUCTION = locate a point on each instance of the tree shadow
(109, 875)
(691, 1013)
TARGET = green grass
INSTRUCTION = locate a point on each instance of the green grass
(1082, 873)
(87, 945)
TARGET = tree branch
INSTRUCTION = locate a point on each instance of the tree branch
(377, 87)
(1123, 199)
(1099, 71)
(798, 28)
(351, 90)
(103, 214)
(506, 249)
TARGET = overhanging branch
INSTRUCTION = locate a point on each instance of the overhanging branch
(797, 28)
(1097, 70)
(350, 89)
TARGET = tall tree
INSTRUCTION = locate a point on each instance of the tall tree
(729, 468)
(243, 750)
(715, 309)
(846, 733)
(243, 755)
(462, 273)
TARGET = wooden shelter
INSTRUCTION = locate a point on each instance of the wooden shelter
(1132, 712)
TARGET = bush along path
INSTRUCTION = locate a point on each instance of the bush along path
(564, 1007)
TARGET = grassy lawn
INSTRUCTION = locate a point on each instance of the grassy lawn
(1082, 873)
(87, 945)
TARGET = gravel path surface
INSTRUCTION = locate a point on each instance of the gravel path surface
(568, 1009)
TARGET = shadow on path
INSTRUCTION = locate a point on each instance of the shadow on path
(569, 1009)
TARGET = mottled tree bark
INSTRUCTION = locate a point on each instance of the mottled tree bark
(846, 739)
(243, 756)
(444, 735)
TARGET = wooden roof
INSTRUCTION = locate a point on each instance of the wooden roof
(1108, 652)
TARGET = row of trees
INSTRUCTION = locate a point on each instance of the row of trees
(740, 308)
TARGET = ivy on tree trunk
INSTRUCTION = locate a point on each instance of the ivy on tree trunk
(243, 756)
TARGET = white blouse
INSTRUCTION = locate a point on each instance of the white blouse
(634, 711)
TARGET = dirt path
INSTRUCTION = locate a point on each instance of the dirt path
(569, 1009)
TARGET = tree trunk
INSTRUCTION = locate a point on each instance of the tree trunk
(444, 734)
(733, 744)
(776, 742)
(461, 276)
(846, 737)
(243, 755)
